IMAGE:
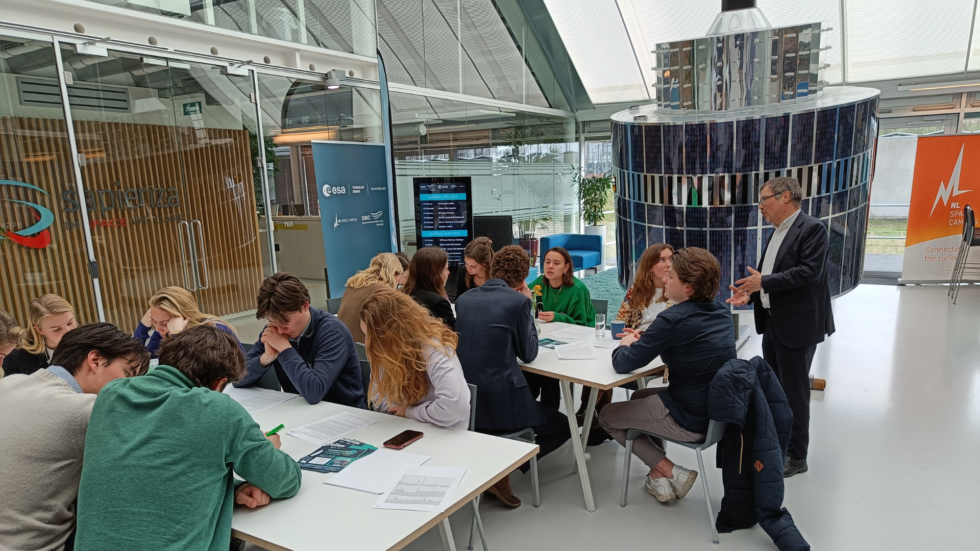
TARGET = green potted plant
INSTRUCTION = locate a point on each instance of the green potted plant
(593, 195)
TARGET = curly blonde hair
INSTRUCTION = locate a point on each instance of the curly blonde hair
(384, 268)
(398, 330)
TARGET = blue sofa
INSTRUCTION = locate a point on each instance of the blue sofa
(585, 250)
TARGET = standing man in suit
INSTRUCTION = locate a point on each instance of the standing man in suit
(791, 297)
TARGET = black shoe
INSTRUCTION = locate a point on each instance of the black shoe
(794, 466)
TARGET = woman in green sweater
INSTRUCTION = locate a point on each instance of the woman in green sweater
(564, 297)
(560, 297)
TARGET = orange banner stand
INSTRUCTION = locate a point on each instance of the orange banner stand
(947, 177)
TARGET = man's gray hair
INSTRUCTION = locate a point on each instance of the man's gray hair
(783, 183)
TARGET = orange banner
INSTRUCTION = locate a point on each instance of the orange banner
(947, 177)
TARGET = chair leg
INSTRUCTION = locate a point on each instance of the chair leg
(707, 499)
(535, 490)
(478, 523)
(626, 473)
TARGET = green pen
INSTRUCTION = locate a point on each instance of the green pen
(275, 430)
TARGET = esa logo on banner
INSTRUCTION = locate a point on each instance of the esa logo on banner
(329, 190)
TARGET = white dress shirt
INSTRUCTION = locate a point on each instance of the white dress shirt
(769, 261)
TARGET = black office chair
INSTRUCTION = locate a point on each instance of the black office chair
(333, 305)
(366, 379)
(961, 267)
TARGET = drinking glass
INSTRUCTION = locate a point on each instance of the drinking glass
(600, 326)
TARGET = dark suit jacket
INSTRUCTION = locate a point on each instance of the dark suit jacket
(799, 293)
(438, 305)
(495, 328)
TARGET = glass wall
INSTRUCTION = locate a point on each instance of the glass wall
(42, 244)
(522, 164)
(342, 25)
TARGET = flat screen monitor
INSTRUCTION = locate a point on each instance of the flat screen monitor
(444, 214)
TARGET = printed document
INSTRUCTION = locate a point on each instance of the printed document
(572, 333)
(255, 400)
(607, 342)
(428, 489)
(576, 351)
(331, 428)
(376, 473)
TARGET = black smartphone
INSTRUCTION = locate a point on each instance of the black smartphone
(400, 441)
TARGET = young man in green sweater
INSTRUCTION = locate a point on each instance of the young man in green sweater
(161, 450)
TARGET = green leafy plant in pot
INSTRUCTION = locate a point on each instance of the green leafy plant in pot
(593, 195)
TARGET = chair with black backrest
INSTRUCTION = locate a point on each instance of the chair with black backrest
(333, 305)
(477, 524)
(361, 350)
(715, 431)
(601, 307)
(500, 230)
(961, 267)
(366, 379)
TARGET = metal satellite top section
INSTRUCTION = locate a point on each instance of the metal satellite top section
(742, 62)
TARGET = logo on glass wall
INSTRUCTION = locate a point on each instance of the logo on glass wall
(37, 236)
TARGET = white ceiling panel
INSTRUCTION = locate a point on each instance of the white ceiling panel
(600, 48)
(906, 38)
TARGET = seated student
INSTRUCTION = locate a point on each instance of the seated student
(311, 350)
(403, 258)
(415, 371)
(644, 300)
(162, 451)
(10, 337)
(695, 337)
(43, 421)
(382, 274)
(563, 298)
(51, 318)
(172, 310)
(495, 329)
(477, 258)
(427, 276)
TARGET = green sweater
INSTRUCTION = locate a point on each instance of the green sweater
(570, 304)
(157, 470)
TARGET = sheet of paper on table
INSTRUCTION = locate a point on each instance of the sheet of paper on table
(428, 489)
(582, 350)
(607, 342)
(255, 400)
(376, 473)
(572, 333)
(331, 428)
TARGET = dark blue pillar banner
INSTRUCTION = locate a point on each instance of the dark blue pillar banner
(355, 206)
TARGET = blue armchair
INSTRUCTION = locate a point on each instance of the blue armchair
(585, 250)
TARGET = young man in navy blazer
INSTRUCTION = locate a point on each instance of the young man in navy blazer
(791, 297)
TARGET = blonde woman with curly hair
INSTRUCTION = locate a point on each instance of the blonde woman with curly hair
(415, 372)
(51, 318)
(172, 310)
(382, 274)
(10, 336)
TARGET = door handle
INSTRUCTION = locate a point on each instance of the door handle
(183, 254)
(204, 257)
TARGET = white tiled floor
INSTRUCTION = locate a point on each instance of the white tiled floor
(894, 446)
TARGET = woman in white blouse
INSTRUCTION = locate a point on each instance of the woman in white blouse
(645, 299)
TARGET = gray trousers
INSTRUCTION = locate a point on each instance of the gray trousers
(645, 410)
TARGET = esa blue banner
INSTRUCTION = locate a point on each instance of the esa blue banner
(355, 207)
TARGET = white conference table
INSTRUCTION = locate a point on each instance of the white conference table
(597, 373)
(321, 516)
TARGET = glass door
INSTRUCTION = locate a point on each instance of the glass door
(42, 244)
(166, 152)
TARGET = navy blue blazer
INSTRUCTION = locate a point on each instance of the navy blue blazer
(799, 312)
(694, 339)
(495, 328)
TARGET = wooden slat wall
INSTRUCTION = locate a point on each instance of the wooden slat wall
(137, 260)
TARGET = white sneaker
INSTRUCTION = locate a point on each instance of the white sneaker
(683, 480)
(660, 488)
